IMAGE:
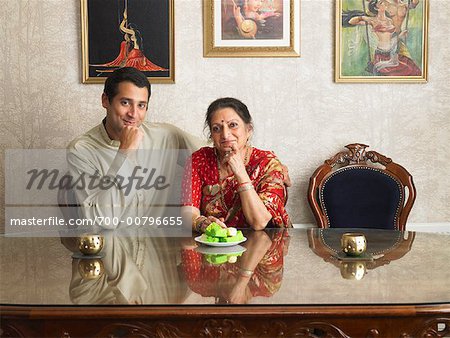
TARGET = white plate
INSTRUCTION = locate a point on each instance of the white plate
(199, 239)
(229, 250)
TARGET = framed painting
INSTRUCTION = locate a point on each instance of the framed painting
(251, 28)
(127, 33)
(381, 40)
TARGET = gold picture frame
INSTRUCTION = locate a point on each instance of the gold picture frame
(381, 41)
(232, 29)
(114, 35)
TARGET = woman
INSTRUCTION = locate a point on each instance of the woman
(388, 60)
(136, 57)
(232, 183)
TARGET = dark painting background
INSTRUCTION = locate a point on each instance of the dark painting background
(151, 18)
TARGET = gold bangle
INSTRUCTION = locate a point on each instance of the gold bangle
(245, 272)
(246, 187)
(198, 222)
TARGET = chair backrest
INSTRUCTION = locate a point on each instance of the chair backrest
(361, 189)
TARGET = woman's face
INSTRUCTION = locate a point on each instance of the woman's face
(228, 130)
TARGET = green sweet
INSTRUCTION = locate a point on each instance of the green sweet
(215, 230)
(239, 237)
(218, 259)
(210, 239)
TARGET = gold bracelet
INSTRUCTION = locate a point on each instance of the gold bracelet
(246, 187)
(198, 222)
(245, 272)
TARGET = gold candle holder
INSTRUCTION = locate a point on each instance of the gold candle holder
(90, 244)
(353, 243)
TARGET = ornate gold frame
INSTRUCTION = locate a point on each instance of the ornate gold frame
(211, 50)
(379, 78)
(86, 78)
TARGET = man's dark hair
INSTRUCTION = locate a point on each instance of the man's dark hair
(124, 74)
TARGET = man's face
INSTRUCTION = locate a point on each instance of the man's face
(127, 108)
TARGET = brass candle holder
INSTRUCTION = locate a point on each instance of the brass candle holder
(90, 244)
(353, 243)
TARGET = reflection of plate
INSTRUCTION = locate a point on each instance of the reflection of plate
(199, 239)
(229, 250)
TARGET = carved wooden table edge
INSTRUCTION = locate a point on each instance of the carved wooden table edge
(217, 310)
(226, 321)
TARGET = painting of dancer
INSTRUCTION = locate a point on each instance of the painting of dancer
(381, 40)
(127, 33)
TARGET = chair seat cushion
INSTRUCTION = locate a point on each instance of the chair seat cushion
(361, 197)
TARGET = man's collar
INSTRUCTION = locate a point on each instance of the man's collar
(105, 135)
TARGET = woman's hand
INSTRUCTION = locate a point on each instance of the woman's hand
(234, 161)
(211, 219)
(287, 179)
(239, 293)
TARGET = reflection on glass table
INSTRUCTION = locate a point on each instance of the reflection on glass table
(383, 246)
(236, 276)
(131, 270)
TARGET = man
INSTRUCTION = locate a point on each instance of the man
(125, 167)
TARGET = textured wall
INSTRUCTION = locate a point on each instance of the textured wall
(299, 111)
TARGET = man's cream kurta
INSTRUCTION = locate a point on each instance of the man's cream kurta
(115, 187)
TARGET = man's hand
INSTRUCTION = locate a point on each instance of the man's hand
(130, 138)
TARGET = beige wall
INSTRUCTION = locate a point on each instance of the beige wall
(299, 111)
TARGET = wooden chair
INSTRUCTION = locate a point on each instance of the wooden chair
(361, 189)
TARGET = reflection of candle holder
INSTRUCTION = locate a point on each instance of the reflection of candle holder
(353, 243)
(90, 268)
(382, 248)
(353, 270)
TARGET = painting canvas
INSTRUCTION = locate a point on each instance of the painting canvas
(254, 19)
(243, 28)
(127, 33)
(381, 40)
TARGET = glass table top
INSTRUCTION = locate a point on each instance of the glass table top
(276, 267)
